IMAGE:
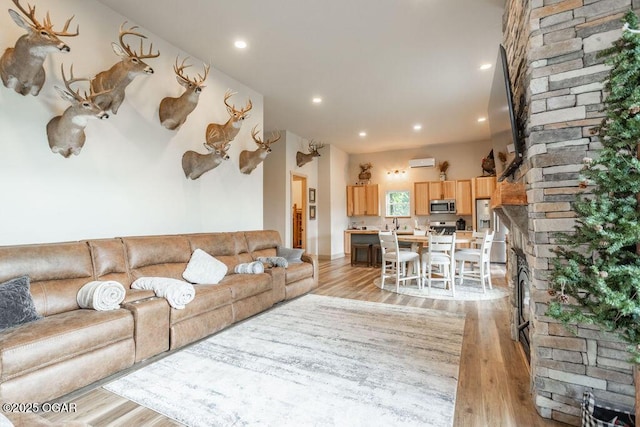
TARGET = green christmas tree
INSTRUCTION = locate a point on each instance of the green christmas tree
(596, 276)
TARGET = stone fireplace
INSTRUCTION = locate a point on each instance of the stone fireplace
(557, 82)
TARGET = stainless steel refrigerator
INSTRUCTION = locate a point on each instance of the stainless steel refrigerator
(486, 219)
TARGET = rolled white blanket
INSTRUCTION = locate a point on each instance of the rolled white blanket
(255, 267)
(101, 295)
(178, 293)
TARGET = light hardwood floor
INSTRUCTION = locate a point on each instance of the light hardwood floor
(493, 387)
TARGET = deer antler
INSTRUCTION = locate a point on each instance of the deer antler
(179, 70)
(254, 135)
(48, 26)
(315, 146)
(127, 48)
(228, 94)
(72, 80)
(31, 14)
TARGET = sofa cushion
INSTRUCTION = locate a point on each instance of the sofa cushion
(229, 248)
(204, 269)
(60, 337)
(207, 298)
(16, 303)
(157, 256)
(56, 270)
(247, 285)
(297, 272)
(109, 260)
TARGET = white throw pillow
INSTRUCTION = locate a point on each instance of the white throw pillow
(203, 269)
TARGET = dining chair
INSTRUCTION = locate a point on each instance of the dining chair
(441, 254)
(394, 261)
(479, 261)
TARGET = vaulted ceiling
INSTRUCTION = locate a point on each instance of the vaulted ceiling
(380, 66)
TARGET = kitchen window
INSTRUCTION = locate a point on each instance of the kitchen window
(398, 203)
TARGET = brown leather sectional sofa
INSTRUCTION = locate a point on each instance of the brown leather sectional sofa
(71, 347)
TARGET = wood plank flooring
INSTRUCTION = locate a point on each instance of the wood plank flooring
(493, 387)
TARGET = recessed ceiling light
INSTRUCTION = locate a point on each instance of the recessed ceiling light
(482, 119)
(316, 100)
(240, 44)
(485, 66)
(417, 127)
(363, 134)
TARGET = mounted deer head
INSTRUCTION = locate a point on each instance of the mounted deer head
(21, 66)
(174, 111)
(229, 130)
(113, 82)
(302, 158)
(249, 160)
(66, 132)
(195, 164)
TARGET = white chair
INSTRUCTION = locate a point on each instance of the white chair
(479, 260)
(441, 254)
(394, 260)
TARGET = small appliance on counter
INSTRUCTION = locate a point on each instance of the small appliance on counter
(461, 224)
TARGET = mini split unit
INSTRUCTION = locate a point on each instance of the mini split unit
(422, 163)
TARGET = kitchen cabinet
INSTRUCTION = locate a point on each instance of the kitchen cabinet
(484, 187)
(421, 198)
(464, 202)
(442, 190)
(363, 200)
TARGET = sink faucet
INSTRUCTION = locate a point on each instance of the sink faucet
(395, 223)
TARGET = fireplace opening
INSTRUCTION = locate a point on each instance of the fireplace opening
(522, 302)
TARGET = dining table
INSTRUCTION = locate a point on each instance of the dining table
(420, 241)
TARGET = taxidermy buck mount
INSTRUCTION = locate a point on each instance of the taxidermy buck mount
(174, 111)
(228, 131)
(249, 160)
(195, 164)
(304, 158)
(66, 132)
(111, 84)
(21, 66)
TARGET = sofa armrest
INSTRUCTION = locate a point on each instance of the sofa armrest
(278, 277)
(313, 261)
(151, 326)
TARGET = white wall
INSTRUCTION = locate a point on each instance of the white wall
(332, 182)
(279, 167)
(128, 179)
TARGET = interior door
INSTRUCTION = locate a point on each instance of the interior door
(299, 211)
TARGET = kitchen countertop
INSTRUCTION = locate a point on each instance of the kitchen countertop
(376, 231)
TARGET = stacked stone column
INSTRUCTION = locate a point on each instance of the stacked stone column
(557, 80)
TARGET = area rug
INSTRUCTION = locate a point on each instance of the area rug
(467, 291)
(314, 361)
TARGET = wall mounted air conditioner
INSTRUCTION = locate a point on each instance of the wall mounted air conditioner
(422, 163)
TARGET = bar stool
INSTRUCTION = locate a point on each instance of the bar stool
(355, 247)
(376, 255)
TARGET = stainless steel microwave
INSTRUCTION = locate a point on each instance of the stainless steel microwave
(442, 206)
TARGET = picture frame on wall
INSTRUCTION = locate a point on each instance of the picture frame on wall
(312, 195)
(312, 212)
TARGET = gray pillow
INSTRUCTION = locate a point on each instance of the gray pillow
(293, 256)
(16, 303)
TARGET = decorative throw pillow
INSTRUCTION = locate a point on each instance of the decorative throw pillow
(16, 303)
(293, 256)
(203, 269)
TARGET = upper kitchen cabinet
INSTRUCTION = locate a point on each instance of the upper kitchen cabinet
(484, 187)
(362, 200)
(421, 198)
(464, 200)
(442, 190)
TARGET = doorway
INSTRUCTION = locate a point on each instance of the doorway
(298, 211)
